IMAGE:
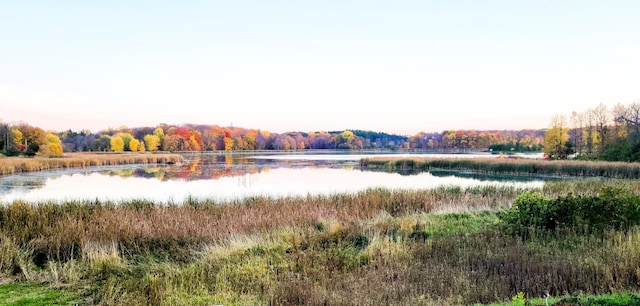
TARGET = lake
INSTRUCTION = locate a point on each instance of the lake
(234, 176)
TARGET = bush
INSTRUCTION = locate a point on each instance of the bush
(612, 208)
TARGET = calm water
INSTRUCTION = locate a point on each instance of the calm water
(225, 177)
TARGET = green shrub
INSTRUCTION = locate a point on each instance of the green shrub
(613, 208)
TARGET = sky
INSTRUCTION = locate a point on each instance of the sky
(399, 67)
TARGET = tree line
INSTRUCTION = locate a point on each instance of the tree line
(599, 133)
(28, 140)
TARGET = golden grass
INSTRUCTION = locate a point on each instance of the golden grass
(376, 246)
(11, 165)
(58, 229)
(522, 166)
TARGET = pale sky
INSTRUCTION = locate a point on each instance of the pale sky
(392, 66)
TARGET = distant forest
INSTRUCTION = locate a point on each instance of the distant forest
(25, 139)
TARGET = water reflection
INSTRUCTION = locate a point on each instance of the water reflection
(231, 176)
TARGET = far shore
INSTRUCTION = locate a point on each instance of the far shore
(12, 165)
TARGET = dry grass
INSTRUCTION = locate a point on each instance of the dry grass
(621, 170)
(375, 247)
(57, 230)
(11, 165)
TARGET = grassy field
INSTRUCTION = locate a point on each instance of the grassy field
(445, 246)
(11, 165)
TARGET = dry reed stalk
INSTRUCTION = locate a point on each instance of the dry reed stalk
(620, 170)
(58, 229)
(10, 165)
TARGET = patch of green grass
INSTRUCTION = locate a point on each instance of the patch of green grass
(37, 294)
(616, 299)
(459, 223)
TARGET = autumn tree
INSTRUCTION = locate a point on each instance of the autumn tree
(134, 144)
(263, 138)
(126, 138)
(53, 147)
(34, 137)
(18, 139)
(172, 142)
(556, 139)
(347, 140)
(249, 139)
(159, 132)
(193, 141)
(228, 143)
(116, 143)
(152, 141)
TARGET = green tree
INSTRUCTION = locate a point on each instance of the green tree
(126, 138)
(160, 133)
(102, 143)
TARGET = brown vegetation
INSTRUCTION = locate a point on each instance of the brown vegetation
(376, 246)
(10, 165)
(514, 166)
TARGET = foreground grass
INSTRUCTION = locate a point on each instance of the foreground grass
(616, 299)
(375, 247)
(37, 294)
(10, 165)
(620, 170)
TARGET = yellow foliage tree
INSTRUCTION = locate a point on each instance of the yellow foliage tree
(54, 146)
(228, 144)
(556, 139)
(126, 138)
(134, 144)
(116, 143)
(18, 138)
(194, 143)
(141, 147)
(152, 141)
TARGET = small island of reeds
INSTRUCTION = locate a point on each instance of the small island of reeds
(508, 166)
(11, 165)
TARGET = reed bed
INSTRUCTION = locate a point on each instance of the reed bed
(57, 230)
(620, 170)
(376, 246)
(11, 165)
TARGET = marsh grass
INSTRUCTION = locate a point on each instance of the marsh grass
(58, 230)
(11, 165)
(620, 170)
(374, 247)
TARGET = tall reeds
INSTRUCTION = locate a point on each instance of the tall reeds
(11, 165)
(376, 246)
(58, 229)
(619, 170)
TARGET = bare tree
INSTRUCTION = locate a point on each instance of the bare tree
(630, 116)
(577, 126)
(601, 120)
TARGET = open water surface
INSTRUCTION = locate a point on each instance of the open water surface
(233, 176)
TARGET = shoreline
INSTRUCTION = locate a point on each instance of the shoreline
(13, 165)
